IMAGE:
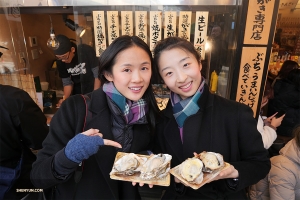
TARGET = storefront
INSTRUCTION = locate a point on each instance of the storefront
(286, 45)
(235, 59)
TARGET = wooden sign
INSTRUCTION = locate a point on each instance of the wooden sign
(184, 26)
(155, 28)
(287, 4)
(141, 25)
(127, 23)
(258, 22)
(201, 32)
(112, 26)
(250, 77)
(170, 24)
(99, 32)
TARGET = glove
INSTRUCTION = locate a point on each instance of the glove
(81, 147)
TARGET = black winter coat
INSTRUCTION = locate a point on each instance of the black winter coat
(95, 182)
(22, 124)
(286, 98)
(221, 126)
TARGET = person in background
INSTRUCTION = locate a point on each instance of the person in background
(219, 49)
(77, 67)
(283, 180)
(23, 128)
(196, 120)
(285, 69)
(277, 38)
(267, 126)
(123, 111)
(287, 99)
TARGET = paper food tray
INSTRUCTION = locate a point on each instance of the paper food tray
(136, 177)
(206, 176)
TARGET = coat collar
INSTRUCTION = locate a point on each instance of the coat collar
(101, 119)
(172, 134)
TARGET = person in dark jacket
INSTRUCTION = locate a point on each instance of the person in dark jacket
(23, 128)
(196, 120)
(287, 99)
(123, 110)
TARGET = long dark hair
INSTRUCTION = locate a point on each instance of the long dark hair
(294, 77)
(171, 43)
(286, 67)
(108, 59)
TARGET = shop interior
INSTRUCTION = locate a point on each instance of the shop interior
(286, 44)
(24, 40)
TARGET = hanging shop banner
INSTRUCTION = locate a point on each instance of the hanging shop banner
(250, 77)
(99, 31)
(201, 32)
(258, 24)
(184, 25)
(112, 26)
(155, 28)
(170, 24)
(141, 25)
(127, 23)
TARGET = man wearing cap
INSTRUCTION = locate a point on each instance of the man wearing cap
(77, 67)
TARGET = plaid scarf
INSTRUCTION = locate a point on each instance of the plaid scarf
(186, 107)
(132, 111)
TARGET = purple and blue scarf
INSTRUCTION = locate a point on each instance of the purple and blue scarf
(186, 107)
(132, 111)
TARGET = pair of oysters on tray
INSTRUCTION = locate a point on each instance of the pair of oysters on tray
(155, 169)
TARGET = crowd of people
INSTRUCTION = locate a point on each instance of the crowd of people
(118, 113)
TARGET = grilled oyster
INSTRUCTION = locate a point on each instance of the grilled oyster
(212, 161)
(157, 166)
(191, 170)
(128, 164)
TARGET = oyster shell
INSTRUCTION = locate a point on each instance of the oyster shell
(191, 170)
(157, 166)
(128, 164)
(211, 160)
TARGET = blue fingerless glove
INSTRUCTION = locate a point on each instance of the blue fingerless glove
(82, 147)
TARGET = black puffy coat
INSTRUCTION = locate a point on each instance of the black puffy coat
(287, 98)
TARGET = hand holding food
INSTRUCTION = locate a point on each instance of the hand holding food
(152, 170)
(201, 169)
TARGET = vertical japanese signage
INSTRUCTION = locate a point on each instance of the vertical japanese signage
(141, 25)
(201, 32)
(127, 23)
(99, 32)
(170, 24)
(250, 77)
(112, 26)
(258, 24)
(155, 28)
(184, 26)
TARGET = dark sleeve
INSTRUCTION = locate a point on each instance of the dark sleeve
(254, 164)
(66, 122)
(33, 122)
(61, 68)
(28, 116)
(91, 56)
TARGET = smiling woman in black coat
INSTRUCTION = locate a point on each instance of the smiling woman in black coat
(196, 120)
(122, 110)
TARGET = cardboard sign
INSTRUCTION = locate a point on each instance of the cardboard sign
(250, 77)
(258, 23)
